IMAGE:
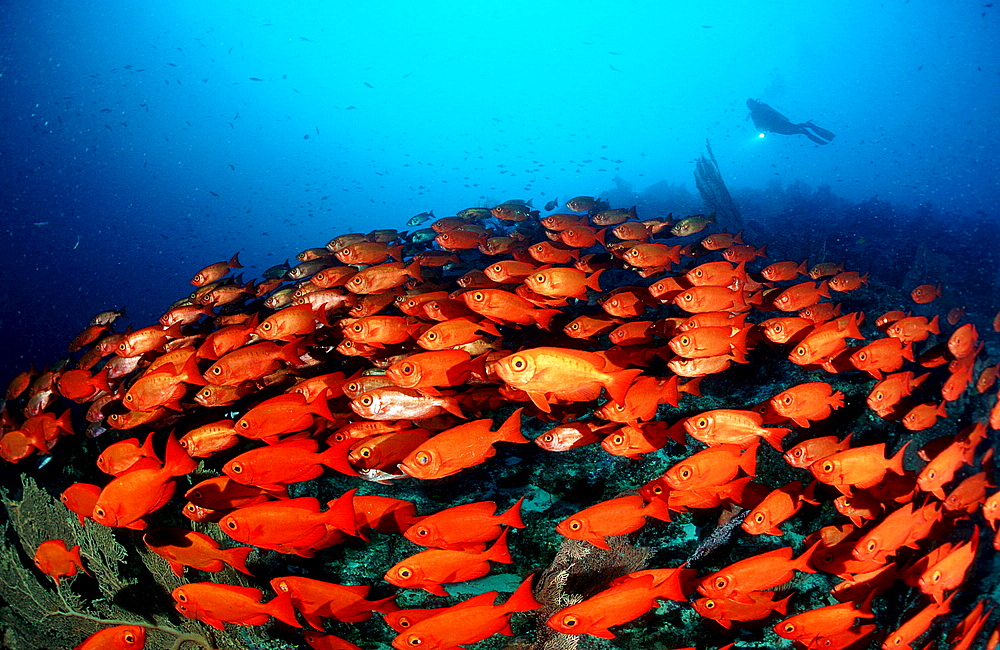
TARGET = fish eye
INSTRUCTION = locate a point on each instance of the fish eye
(720, 583)
(801, 351)
(710, 604)
(423, 532)
(236, 468)
(216, 370)
(787, 399)
(698, 273)
(518, 364)
(266, 327)
(129, 637)
(827, 466)
(365, 453)
(129, 398)
(432, 336)
(181, 596)
(183, 443)
(423, 458)
(477, 296)
(406, 368)
(244, 424)
(657, 490)
(701, 423)
(863, 356)
(231, 524)
(575, 525)
(574, 326)
(789, 627)
(99, 511)
(931, 474)
(879, 395)
(540, 278)
(871, 545)
(618, 439)
(366, 400)
(548, 437)
(759, 517)
(685, 473)
(935, 576)
(404, 572)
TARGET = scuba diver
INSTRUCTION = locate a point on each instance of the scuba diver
(766, 118)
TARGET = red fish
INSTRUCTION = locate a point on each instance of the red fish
(80, 499)
(55, 560)
(860, 467)
(464, 528)
(618, 604)
(756, 573)
(458, 448)
(130, 498)
(181, 548)
(807, 402)
(724, 611)
(214, 272)
(466, 623)
(295, 526)
(119, 637)
(315, 599)
(431, 569)
(611, 518)
(926, 293)
(546, 370)
(216, 604)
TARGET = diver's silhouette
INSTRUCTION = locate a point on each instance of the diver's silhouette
(766, 118)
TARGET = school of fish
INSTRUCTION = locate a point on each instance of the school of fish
(856, 448)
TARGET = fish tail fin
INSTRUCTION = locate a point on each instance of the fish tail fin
(657, 509)
(775, 436)
(75, 554)
(896, 462)
(802, 562)
(336, 458)
(748, 461)
(543, 317)
(175, 460)
(281, 608)
(619, 382)
(237, 558)
(234, 261)
(498, 552)
(592, 281)
(512, 517)
(413, 270)
(523, 599)
(933, 327)
(510, 430)
(385, 605)
(396, 253)
(340, 513)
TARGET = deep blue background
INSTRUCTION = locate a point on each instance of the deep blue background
(142, 141)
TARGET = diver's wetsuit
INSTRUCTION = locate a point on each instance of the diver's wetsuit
(766, 118)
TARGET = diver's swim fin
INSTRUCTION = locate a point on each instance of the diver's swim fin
(823, 133)
(814, 138)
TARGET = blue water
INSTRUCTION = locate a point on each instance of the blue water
(142, 141)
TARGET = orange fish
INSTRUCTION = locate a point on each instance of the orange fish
(724, 611)
(924, 416)
(392, 403)
(809, 451)
(56, 561)
(714, 466)
(546, 370)
(916, 625)
(251, 362)
(860, 467)
(821, 622)
(315, 599)
(295, 526)
(949, 572)
(502, 306)
(431, 569)
(825, 341)
(436, 368)
(291, 461)
(127, 455)
(926, 293)
(615, 605)
(756, 573)
(882, 355)
(128, 499)
(572, 435)
(458, 448)
(611, 518)
(777, 507)
(214, 272)
(962, 341)
(464, 528)
(784, 271)
(221, 493)
(181, 548)
(466, 623)
(80, 499)
(281, 414)
(732, 426)
(560, 282)
(887, 393)
(119, 637)
(807, 402)
(216, 604)
(800, 296)
(913, 329)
